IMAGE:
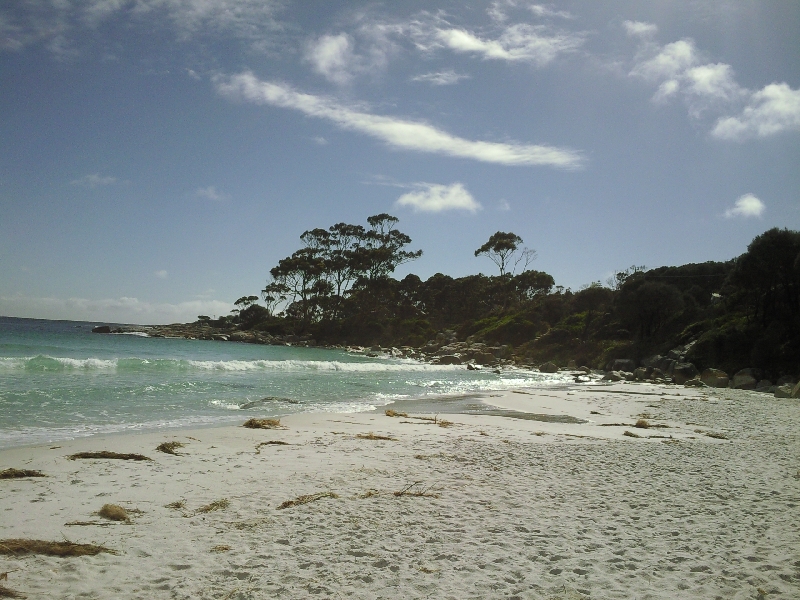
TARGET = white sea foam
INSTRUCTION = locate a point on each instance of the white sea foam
(318, 365)
(45, 363)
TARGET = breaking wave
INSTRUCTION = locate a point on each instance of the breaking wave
(42, 363)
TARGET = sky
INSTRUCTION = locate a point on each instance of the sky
(159, 157)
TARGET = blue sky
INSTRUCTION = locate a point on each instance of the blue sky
(158, 157)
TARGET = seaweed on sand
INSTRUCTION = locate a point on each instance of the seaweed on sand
(108, 454)
(20, 473)
(306, 499)
(263, 424)
(21, 547)
(372, 436)
(114, 512)
(9, 593)
(215, 505)
(170, 447)
(393, 413)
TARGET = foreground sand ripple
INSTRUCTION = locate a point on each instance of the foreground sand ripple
(514, 509)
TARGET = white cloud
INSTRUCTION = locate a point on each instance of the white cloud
(712, 81)
(434, 197)
(771, 110)
(639, 29)
(712, 87)
(320, 141)
(211, 193)
(441, 78)
(396, 132)
(162, 274)
(517, 43)
(746, 206)
(671, 61)
(503, 205)
(332, 57)
(112, 310)
(94, 180)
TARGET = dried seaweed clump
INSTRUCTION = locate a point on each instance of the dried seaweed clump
(21, 547)
(20, 473)
(215, 505)
(170, 447)
(9, 593)
(372, 436)
(393, 413)
(642, 424)
(107, 454)
(306, 499)
(631, 434)
(114, 512)
(263, 424)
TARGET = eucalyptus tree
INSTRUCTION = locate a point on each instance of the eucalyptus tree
(504, 250)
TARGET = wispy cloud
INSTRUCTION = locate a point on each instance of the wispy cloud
(746, 206)
(114, 310)
(520, 42)
(162, 274)
(396, 132)
(59, 23)
(94, 180)
(434, 197)
(441, 78)
(639, 28)
(678, 70)
(211, 193)
(498, 10)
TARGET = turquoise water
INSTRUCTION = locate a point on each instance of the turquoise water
(59, 381)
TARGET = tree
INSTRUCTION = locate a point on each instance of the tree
(616, 281)
(245, 301)
(503, 249)
(383, 248)
(648, 305)
(768, 277)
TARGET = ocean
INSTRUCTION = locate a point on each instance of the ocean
(60, 381)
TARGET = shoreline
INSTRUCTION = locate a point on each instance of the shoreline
(497, 506)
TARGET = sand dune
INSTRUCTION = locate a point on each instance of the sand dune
(493, 507)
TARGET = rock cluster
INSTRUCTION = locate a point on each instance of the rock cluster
(673, 367)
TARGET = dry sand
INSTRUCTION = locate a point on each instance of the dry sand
(495, 506)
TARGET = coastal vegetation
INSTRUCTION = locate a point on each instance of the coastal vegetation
(338, 288)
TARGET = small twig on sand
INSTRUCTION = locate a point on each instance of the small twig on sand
(422, 492)
(270, 443)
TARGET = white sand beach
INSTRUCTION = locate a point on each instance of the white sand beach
(488, 507)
